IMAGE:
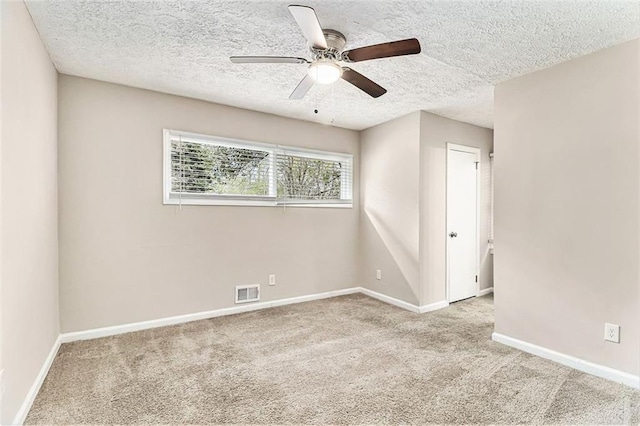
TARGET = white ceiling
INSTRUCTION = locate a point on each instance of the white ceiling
(182, 47)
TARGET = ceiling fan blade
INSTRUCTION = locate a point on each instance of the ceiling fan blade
(267, 60)
(363, 83)
(302, 88)
(306, 18)
(409, 46)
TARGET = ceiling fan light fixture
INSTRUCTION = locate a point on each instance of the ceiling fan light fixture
(327, 50)
(324, 71)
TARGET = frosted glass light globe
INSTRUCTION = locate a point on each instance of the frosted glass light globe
(325, 71)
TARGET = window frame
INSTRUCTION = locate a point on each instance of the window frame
(272, 200)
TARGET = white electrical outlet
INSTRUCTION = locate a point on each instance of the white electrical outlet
(378, 274)
(272, 279)
(612, 333)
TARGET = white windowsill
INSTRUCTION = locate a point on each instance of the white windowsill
(330, 206)
(251, 203)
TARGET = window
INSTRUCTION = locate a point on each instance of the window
(209, 170)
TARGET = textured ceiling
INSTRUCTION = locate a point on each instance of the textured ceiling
(182, 47)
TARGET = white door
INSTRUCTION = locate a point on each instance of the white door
(462, 228)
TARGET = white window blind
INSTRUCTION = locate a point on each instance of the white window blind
(313, 177)
(208, 170)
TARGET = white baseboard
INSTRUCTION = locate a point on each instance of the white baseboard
(390, 300)
(433, 306)
(485, 291)
(570, 361)
(37, 384)
(405, 305)
(180, 319)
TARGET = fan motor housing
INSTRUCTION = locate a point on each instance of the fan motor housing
(335, 39)
(335, 45)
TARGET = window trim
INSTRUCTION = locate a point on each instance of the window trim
(172, 198)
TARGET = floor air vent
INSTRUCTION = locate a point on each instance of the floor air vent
(247, 293)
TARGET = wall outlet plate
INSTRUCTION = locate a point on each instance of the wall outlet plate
(612, 332)
(272, 279)
(378, 274)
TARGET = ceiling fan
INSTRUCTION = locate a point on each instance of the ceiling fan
(327, 50)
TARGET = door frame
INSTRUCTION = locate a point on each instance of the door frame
(478, 154)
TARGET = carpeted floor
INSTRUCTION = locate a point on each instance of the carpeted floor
(345, 360)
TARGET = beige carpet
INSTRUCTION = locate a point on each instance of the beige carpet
(346, 360)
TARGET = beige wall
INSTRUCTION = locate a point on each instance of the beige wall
(126, 257)
(566, 212)
(403, 197)
(435, 133)
(389, 179)
(29, 235)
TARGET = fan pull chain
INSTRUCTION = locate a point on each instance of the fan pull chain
(333, 104)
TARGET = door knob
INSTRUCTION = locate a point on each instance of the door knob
(453, 234)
